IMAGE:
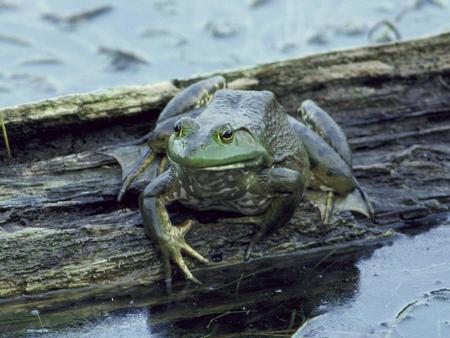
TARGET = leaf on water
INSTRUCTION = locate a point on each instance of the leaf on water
(14, 40)
(73, 19)
(122, 59)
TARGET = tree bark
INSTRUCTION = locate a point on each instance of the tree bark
(63, 238)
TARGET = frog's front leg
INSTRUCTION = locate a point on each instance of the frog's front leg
(152, 204)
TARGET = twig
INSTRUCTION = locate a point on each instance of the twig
(5, 138)
(237, 286)
(226, 314)
(443, 83)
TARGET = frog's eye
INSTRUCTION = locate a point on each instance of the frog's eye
(177, 129)
(226, 136)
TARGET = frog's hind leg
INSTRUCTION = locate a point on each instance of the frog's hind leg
(358, 201)
(331, 204)
(324, 125)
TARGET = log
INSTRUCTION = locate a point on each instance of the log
(64, 238)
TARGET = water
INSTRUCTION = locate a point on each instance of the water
(140, 42)
(42, 57)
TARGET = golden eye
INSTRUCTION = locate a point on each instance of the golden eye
(177, 129)
(226, 136)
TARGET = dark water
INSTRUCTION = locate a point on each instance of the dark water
(47, 49)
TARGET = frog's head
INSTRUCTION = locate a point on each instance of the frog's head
(226, 135)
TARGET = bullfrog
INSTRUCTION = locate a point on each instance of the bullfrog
(239, 151)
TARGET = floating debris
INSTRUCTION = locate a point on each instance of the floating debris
(258, 3)
(221, 30)
(155, 32)
(319, 38)
(288, 46)
(73, 19)
(351, 29)
(42, 62)
(12, 40)
(419, 4)
(121, 59)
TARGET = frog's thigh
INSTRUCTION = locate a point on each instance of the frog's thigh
(326, 164)
(195, 96)
(323, 124)
(333, 173)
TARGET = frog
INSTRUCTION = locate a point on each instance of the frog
(239, 151)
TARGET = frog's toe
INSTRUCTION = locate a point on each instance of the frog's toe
(194, 254)
(183, 229)
(178, 260)
(185, 226)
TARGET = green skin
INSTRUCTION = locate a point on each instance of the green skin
(236, 151)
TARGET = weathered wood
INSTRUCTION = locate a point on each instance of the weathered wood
(60, 227)
(80, 108)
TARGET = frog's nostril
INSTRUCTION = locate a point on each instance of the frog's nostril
(202, 146)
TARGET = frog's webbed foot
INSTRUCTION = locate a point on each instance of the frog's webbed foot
(135, 161)
(172, 249)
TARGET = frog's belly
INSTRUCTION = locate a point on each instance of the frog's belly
(247, 204)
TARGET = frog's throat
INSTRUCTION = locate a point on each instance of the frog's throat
(254, 162)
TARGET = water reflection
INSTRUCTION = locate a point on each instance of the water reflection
(273, 300)
(415, 270)
(269, 302)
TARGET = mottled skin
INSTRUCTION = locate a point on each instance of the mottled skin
(240, 154)
(239, 151)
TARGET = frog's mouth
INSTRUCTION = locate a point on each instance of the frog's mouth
(254, 162)
(237, 165)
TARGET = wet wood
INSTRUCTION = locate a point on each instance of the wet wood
(63, 237)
